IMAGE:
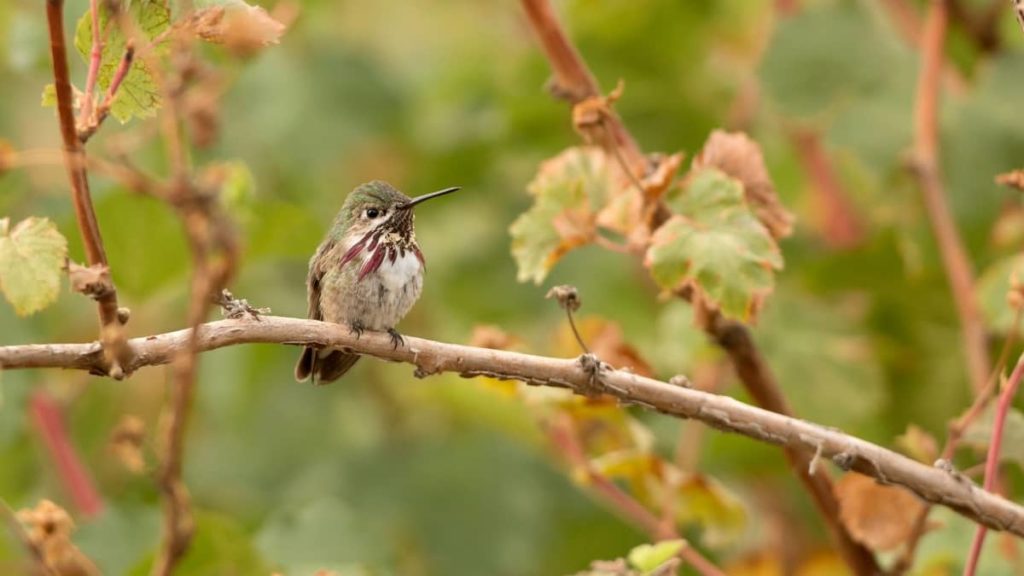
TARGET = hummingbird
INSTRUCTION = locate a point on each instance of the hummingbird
(366, 274)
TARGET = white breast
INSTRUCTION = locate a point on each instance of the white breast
(395, 276)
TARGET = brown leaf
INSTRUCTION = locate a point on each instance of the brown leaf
(1013, 179)
(494, 338)
(93, 281)
(6, 156)
(126, 443)
(242, 29)
(880, 517)
(605, 340)
(740, 157)
(589, 113)
(48, 528)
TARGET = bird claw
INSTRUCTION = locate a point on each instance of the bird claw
(396, 339)
(357, 328)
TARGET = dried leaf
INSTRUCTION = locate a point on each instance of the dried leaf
(561, 217)
(605, 339)
(716, 247)
(494, 338)
(880, 517)
(706, 503)
(32, 257)
(1013, 179)
(241, 28)
(567, 296)
(6, 156)
(126, 443)
(92, 281)
(49, 528)
(740, 157)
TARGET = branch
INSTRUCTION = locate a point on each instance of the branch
(111, 331)
(48, 420)
(925, 165)
(431, 357)
(992, 459)
(840, 224)
(574, 80)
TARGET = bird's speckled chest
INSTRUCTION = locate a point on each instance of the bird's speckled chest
(380, 299)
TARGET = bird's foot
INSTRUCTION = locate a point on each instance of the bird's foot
(396, 339)
(357, 328)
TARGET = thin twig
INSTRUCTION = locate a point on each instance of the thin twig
(47, 419)
(992, 459)
(925, 165)
(95, 56)
(574, 81)
(111, 329)
(431, 357)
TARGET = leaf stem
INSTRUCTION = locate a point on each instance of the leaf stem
(95, 57)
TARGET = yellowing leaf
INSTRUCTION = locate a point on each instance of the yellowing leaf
(605, 339)
(561, 217)
(139, 94)
(31, 258)
(740, 157)
(49, 98)
(880, 517)
(649, 557)
(717, 246)
(704, 502)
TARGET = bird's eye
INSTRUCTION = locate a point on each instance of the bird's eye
(373, 212)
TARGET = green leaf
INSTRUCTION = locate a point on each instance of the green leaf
(992, 291)
(221, 546)
(810, 67)
(561, 218)
(649, 557)
(32, 256)
(49, 98)
(139, 94)
(717, 245)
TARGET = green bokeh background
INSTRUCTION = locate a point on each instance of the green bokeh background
(382, 473)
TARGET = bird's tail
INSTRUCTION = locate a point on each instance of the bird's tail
(323, 365)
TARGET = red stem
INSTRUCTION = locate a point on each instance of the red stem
(992, 459)
(48, 420)
(95, 56)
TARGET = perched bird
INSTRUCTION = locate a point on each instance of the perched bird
(366, 274)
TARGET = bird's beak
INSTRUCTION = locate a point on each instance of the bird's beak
(425, 197)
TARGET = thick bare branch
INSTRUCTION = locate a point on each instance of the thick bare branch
(430, 357)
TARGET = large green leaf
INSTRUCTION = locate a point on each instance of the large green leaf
(32, 256)
(716, 245)
(561, 217)
(139, 93)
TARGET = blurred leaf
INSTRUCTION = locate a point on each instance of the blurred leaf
(918, 444)
(736, 155)
(241, 28)
(605, 339)
(561, 218)
(819, 59)
(994, 290)
(139, 93)
(49, 98)
(704, 502)
(942, 550)
(120, 537)
(880, 517)
(979, 434)
(604, 427)
(649, 557)
(32, 256)
(717, 246)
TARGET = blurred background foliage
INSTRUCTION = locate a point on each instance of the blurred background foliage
(385, 474)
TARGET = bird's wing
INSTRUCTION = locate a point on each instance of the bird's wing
(317, 267)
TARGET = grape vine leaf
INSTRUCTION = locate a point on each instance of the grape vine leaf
(561, 218)
(996, 290)
(715, 245)
(139, 93)
(32, 255)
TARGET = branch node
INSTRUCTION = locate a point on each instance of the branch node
(123, 315)
(812, 468)
(237, 308)
(845, 460)
(681, 381)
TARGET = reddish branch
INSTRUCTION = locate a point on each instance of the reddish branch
(574, 81)
(111, 329)
(992, 459)
(840, 224)
(925, 165)
(48, 420)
